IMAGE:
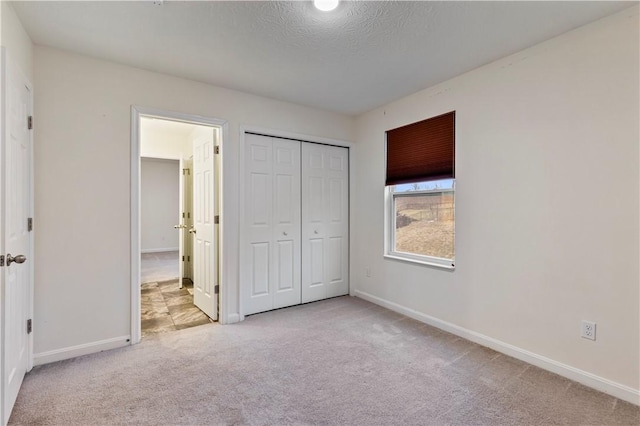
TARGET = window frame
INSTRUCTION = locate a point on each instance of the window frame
(390, 229)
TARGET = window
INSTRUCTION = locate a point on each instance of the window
(420, 188)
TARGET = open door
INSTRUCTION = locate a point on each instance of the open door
(15, 225)
(204, 230)
(187, 210)
(185, 221)
(181, 226)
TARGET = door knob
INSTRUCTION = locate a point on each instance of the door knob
(192, 230)
(179, 226)
(315, 231)
(18, 259)
(284, 233)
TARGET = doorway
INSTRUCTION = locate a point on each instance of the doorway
(175, 245)
(166, 279)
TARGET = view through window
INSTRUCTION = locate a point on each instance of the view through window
(424, 214)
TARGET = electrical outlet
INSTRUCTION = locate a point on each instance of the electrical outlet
(588, 330)
(368, 272)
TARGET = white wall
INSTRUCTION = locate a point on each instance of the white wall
(82, 158)
(15, 39)
(547, 201)
(159, 204)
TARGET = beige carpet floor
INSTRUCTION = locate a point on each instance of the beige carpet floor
(342, 361)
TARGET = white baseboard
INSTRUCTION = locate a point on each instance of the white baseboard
(618, 390)
(75, 351)
(233, 318)
(159, 250)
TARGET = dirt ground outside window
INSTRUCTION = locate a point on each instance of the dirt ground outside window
(425, 225)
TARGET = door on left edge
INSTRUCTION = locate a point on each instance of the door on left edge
(16, 242)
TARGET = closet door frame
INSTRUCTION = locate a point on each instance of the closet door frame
(244, 129)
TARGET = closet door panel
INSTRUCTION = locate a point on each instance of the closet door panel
(313, 214)
(325, 221)
(316, 262)
(337, 221)
(315, 196)
(260, 269)
(256, 271)
(336, 254)
(336, 200)
(286, 229)
(286, 266)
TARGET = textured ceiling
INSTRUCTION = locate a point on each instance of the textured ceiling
(353, 59)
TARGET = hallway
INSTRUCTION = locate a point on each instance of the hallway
(161, 266)
(167, 307)
(164, 305)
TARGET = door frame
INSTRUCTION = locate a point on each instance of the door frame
(244, 129)
(5, 59)
(136, 113)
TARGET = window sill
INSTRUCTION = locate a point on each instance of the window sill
(420, 262)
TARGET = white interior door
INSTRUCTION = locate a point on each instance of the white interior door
(180, 227)
(16, 208)
(204, 230)
(325, 221)
(295, 223)
(187, 219)
(185, 222)
(255, 267)
(270, 249)
(285, 265)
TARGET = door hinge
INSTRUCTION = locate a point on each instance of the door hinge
(29, 326)
(2, 260)
(183, 215)
(217, 149)
(216, 289)
(188, 258)
(183, 258)
(186, 171)
(30, 224)
(30, 122)
(216, 219)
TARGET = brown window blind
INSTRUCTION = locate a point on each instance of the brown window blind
(422, 151)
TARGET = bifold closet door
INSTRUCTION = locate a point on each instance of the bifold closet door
(270, 248)
(325, 221)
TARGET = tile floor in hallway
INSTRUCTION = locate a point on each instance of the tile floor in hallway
(167, 307)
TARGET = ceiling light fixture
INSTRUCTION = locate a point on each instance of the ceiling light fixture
(326, 5)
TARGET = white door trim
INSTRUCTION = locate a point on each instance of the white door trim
(4, 54)
(136, 113)
(246, 128)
